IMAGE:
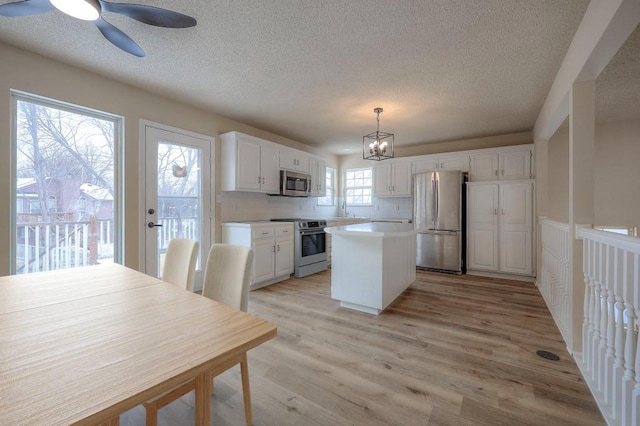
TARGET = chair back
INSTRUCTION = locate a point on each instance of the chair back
(180, 263)
(227, 275)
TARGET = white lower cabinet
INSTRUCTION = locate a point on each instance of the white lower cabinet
(272, 245)
(500, 227)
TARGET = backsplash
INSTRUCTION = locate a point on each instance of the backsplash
(250, 206)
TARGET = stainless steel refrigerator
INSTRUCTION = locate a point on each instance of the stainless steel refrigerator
(438, 212)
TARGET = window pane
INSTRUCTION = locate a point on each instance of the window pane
(358, 186)
(65, 162)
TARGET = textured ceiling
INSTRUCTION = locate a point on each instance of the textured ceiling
(314, 70)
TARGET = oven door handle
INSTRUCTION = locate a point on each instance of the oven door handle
(315, 232)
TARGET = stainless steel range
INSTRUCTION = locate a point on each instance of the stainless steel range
(309, 245)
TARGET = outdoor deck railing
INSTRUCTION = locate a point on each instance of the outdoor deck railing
(45, 246)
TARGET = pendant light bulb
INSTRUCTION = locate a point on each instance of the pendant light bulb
(87, 10)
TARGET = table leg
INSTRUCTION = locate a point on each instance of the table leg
(204, 387)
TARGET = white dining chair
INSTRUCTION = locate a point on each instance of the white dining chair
(180, 263)
(227, 277)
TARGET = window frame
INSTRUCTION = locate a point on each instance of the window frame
(345, 188)
(118, 153)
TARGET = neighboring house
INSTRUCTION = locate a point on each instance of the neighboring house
(66, 201)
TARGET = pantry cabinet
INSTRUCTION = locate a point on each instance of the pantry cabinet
(249, 164)
(500, 226)
(392, 180)
(272, 244)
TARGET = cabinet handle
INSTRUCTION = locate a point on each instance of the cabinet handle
(265, 233)
(393, 188)
(389, 188)
(278, 247)
(258, 179)
(274, 249)
(495, 212)
(496, 172)
(502, 172)
(262, 180)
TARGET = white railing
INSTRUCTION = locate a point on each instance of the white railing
(554, 281)
(46, 246)
(176, 228)
(610, 345)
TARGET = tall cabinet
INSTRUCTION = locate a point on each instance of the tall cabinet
(500, 226)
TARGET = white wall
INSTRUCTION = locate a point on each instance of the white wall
(617, 174)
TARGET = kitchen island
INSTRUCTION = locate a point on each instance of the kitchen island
(372, 264)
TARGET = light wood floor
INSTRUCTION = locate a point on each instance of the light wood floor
(452, 350)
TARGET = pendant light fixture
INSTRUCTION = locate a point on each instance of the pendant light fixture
(377, 145)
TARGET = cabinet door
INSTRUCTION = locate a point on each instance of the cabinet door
(401, 179)
(284, 256)
(287, 159)
(263, 260)
(302, 163)
(318, 167)
(482, 227)
(382, 180)
(248, 164)
(270, 181)
(515, 165)
(484, 167)
(454, 163)
(425, 165)
(516, 228)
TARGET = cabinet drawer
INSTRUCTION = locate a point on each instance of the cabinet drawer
(262, 232)
(284, 231)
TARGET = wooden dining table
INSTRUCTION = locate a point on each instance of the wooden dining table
(81, 346)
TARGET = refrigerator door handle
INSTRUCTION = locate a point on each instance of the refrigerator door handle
(436, 219)
(438, 232)
(433, 205)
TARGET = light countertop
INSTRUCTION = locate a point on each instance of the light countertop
(374, 229)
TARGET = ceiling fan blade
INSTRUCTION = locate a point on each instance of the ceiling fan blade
(150, 15)
(25, 8)
(118, 38)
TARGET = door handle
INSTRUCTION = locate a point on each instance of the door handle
(153, 225)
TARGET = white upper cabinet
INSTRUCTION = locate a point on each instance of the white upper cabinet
(515, 165)
(432, 163)
(317, 167)
(249, 164)
(511, 164)
(291, 159)
(392, 179)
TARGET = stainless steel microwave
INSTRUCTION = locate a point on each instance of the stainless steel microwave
(294, 184)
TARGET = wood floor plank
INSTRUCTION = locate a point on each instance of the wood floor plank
(451, 350)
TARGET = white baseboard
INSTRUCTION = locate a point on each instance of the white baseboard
(500, 275)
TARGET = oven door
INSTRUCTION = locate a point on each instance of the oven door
(312, 247)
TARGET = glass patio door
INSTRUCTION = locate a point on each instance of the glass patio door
(177, 195)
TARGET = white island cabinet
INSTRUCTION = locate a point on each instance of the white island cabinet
(372, 264)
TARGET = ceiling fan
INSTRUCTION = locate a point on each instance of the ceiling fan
(91, 10)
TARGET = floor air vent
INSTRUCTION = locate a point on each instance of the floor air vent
(548, 355)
